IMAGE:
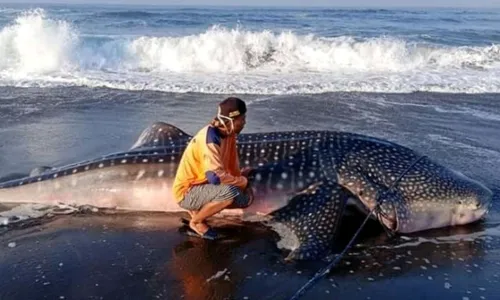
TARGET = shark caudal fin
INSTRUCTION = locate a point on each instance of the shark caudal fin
(312, 217)
(160, 134)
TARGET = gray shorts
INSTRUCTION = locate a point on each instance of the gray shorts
(199, 195)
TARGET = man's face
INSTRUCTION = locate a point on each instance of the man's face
(239, 123)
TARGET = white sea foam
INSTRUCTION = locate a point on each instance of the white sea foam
(36, 45)
(25, 212)
(36, 50)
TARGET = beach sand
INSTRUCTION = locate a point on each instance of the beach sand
(143, 256)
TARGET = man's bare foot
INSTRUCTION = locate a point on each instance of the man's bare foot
(201, 228)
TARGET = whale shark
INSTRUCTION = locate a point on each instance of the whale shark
(303, 181)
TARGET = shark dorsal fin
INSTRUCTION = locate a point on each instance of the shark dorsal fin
(160, 134)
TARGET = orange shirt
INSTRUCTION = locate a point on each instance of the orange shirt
(208, 158)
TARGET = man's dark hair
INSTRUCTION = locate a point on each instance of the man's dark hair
(232, 107)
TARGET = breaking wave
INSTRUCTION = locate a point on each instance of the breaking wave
(36, 50)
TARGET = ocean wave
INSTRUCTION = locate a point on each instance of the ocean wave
(35, 44)
(36, 50)
(236, 50)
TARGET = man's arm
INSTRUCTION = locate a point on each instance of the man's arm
(213, 165)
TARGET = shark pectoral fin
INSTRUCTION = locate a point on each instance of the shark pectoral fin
(309, 250)
(308, 224)
(159, 134)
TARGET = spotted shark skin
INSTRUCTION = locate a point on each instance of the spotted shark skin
(303, 181)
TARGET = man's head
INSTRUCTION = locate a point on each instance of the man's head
(232, 114)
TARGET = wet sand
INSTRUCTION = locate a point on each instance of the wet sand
(143, 256)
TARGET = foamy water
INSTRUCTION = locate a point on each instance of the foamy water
(41, 50)
(29, 211)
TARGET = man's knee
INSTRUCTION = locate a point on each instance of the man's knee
(229, 201)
